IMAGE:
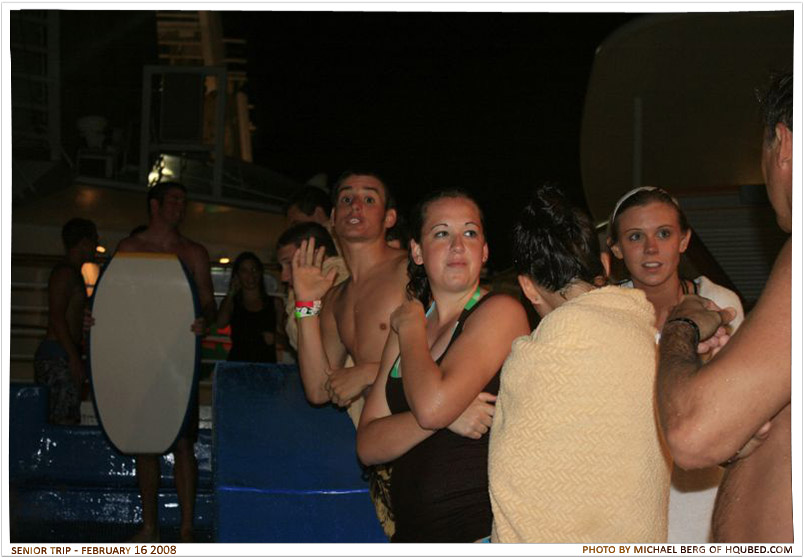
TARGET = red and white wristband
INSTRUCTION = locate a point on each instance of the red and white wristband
(307, 308)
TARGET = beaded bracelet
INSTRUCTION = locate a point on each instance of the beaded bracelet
(695, 327)
(307, 308)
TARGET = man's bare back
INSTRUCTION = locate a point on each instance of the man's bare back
(69, 280)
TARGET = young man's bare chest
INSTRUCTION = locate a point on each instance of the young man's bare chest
(362, 314)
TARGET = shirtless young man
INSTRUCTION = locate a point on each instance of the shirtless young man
(58, 362)
(166, 206)
(355, 314)
(736, 408)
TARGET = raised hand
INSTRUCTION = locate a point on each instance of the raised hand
(476, 419)
(309, 281)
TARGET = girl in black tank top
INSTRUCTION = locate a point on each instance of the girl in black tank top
(423, 414)
(439, 489)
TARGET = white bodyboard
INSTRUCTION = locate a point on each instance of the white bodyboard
(143, 356)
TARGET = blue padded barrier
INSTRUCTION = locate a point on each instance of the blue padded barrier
(284, 471)
(72, 475)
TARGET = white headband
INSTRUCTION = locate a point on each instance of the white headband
(630, 193)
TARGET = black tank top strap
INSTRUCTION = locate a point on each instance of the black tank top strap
(461, 320)
(685, 289)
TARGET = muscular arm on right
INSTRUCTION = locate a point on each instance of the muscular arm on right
(709, 412)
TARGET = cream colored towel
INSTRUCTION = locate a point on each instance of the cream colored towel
(575, 453)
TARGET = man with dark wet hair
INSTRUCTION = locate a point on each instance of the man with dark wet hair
(308, 204)
(58, 363)
(735, 409)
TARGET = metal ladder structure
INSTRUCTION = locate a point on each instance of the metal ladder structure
(35, 96)
(196, 38)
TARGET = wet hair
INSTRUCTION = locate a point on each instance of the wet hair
(302, 231)
(639, 197)
(242, 258)
(390, 200)
(776, 102)
(158, 192)
(418, 285)
(554, 243)
(400, 231)
(77, 229)
(308, 198)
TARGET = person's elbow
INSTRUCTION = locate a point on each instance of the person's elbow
(432, 417)
(693, 446)
(366, 450)
(315, 396)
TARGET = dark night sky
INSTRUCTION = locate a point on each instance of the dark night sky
(490, 102)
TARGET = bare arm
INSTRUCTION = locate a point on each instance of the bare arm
(709, 412)
(381, 436)
(438, 395)
(227, 304)
(61, 286)
(317, 352)
(344, 385)
(199, 265)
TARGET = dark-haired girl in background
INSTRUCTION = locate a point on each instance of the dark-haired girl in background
(575, 454)
(434, 367)
(251, 312)
(649, 232)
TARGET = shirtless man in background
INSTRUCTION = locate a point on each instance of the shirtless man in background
(166, 206)
(58, 363)
(735, 409)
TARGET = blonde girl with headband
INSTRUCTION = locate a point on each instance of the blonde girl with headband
(649, 232)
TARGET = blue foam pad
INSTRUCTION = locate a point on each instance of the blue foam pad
(285, 471)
